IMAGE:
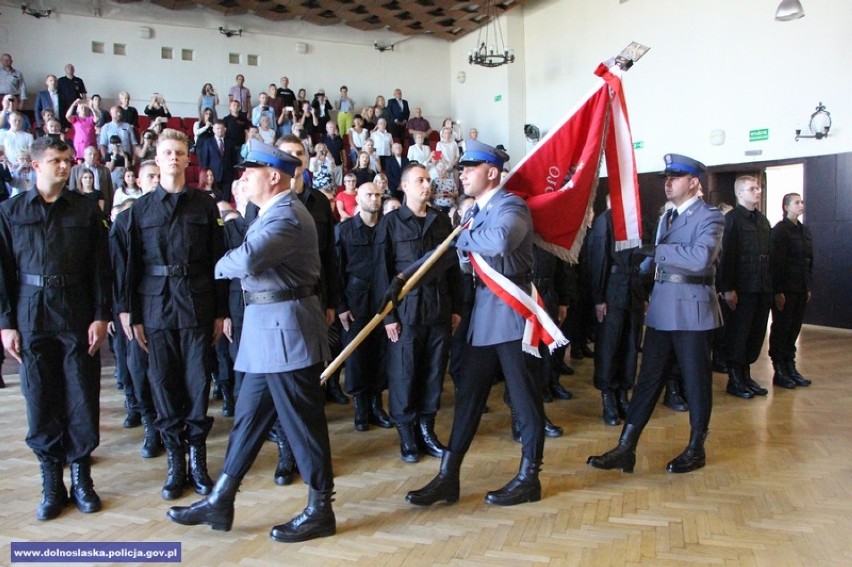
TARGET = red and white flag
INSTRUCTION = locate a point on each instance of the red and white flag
(559, 177)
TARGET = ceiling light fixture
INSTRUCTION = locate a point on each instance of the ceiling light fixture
(789, 10)
(490, 51)
(35, 13)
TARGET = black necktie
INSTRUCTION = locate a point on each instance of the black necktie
(672, 217)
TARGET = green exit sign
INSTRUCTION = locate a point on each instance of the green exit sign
(638, 145)
(498, 98)
(758, 135)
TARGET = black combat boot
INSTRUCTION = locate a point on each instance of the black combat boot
(610, 407)
(362, 412)
(755, 388)
(82, 488)
(795, 376)
(782, 375)
(427, 440)
(333, 393)
(285, 470)
(551, 429)
(557, 390)
(228, 400)
(445, 486)
(623, 457)
(152, 446)
(54, 495)
(176, 475)
(133, 419)
(736, 382)
(408, 442)
(378, 416)
(317, 520)
(623, 403)
(201, 481)
(525, 487)
(674, 398)
(692, 457)
(217, 510)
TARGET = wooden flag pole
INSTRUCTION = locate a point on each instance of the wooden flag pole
(378, 317)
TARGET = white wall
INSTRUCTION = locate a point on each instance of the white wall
(419, 66)
(722, 64)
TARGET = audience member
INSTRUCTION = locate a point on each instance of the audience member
(71, 88)
(241, 94)
(209, 98)
(47, 99)
(79, 116)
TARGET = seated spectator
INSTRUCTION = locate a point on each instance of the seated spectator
(322, 167)
(306, 119)
(362, 171)
(16, 138)
(418, 125)
(383, 141)
(23, 174)
(53, 129)
(86, 187)
(456, 129)
(375, 162)
(369, 116)
(46, 115)
(148, 149)
(5, 175)
(393, 169)
(204, 127)
(157, 109)
(391, 204)
(380, 110)
(473, 134)
(358, 134)
(263, 109)
(381, 183)
(10, 106)
(129, 189)
(82, 122)
(447, 150)
(251, 134)
(445, 192)
(334, 144)
(118, 127)
(117, 160)
(305, 137)
(266, 131)
(129, 113)
(345, 203)
(323, 110)
(207, 184)
(420, 152)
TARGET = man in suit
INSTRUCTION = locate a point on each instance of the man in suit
(399, 113)
(393, 169)
(500, 232)
(47, 100)
(282, 350)
(217, 154)
(103, 179)
(682, 313)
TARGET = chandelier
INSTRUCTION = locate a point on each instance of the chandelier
(491, 50)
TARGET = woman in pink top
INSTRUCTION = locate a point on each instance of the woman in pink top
(83, 124)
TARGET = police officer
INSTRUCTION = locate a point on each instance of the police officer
(54, 311)
(791, 261)
(177, 310)
(618, 293)
(419, 328)
(501, 233)
(746, 287)
(682, 313)
(282, 351)
(355, 250)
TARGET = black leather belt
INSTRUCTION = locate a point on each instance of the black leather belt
(49, 281)
(278, 296)
(683, 278)
(175, 270)
(518, 279)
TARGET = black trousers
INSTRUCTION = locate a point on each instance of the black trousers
(617, 349)
(745, 327)
(692, 351)
(224, 373)
(481, 365)
(296, 400)
(178, 370)
(415, 368)
(120, 346)
(364, 373)
(137, 366)
(786, 326)
(237, 308)
(61, 385)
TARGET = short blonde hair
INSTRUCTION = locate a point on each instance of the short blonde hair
(172, 134)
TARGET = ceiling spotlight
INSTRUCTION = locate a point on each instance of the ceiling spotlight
(35, 13)
(381, 47)
(789, 10)
(230, 33)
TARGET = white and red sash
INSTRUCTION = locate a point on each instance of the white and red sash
(539, 327)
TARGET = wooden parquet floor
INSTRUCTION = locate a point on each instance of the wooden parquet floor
(777, 489)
